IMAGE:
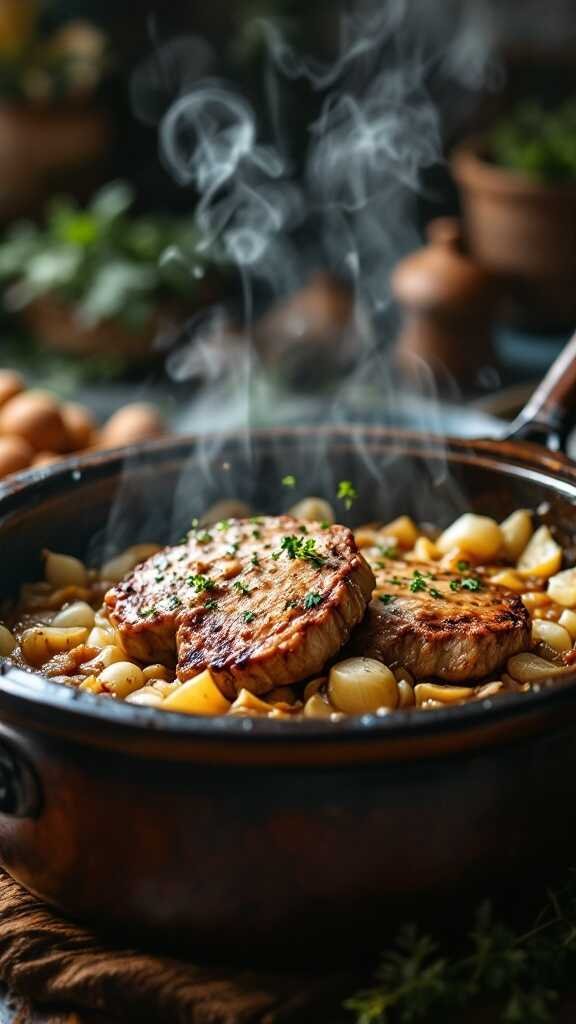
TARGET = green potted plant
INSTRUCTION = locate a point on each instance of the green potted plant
(99, 280)
(518, 187)
(50, 124)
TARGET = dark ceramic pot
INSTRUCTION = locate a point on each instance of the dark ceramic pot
(226, 834)
(524, 233)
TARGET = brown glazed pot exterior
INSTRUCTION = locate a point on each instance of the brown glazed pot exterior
(524, 233)
(221, 835)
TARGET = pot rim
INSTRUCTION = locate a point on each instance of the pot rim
(41, 704)
(473, 170)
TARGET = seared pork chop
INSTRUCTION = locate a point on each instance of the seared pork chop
(260, 602)
(446, 625)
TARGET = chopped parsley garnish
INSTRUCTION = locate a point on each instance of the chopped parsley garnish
(158, 579)
(347, 493)
(386, 598)
(417, 584)
(145, 612)
(255, 560)
(200, 583)
(290, 604)
(462, 566)
(466, 583)
(387, 551)
(299, 547)
(232, 548)
(211, 604)
(255, 519)
(289, 480)
(223, 524)
(396, 581)
(312, 600)
(175, 602)
(248, 616)
(256, 534)
(303, 528)
(204, 537)
(241, 587)
(325, 525)
(471, 583)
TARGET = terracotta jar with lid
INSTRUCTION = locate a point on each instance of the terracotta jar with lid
(448, 306)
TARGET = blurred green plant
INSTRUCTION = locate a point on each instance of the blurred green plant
(35, 66)
(537, 142)
(102, 260)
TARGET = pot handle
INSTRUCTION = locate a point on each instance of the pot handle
(551, 411)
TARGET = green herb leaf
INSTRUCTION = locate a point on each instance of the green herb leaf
(248, 616)
(312, 600)
(200, 583)
(289, 480)
(386, 598)
(299, 547)
(347, 493)
(418, 584)
(241, 587)
(471, 583)
(211, 604)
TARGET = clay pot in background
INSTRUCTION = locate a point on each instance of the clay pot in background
(448, 306)
(56, 325)
(311, 335)
(42, 149)
(524, 233)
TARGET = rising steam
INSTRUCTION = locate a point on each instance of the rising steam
(348, 206)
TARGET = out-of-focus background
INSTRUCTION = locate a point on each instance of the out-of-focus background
(221, 215)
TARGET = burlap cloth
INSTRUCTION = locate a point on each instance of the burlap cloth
(60, 973)
(76, 979)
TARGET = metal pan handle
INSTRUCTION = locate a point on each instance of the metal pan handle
(551, 411)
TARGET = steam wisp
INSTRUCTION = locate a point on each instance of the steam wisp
(348, 206)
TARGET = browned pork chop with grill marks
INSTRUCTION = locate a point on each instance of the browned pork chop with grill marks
(260, 602)
(451, 626)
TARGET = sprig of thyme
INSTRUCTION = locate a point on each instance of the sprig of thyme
(520, 976)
